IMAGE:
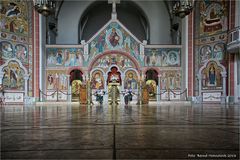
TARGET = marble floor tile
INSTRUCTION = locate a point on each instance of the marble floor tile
(120, 132)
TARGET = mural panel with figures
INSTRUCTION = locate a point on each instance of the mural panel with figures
(56, 79)
(171, 79)
(114, 37)
(210, 42)
(211, 76)
(214, 51)
(121, 61)
(14, 17)
(66, 57)
(162, 57)
(213, 17)
(13, 78)
(12, 50)
(131, 80)
(97, 80)
(15, 32)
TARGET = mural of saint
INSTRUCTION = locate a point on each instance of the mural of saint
(50, 82)
(205, 53)
(21, 53)
(13, 77)
(218, 52)
(212, 75)
(97, 81)
(59, 58)
(130, 82)
(114, 38)
(6, 49)
(51, 60)
(114, 76)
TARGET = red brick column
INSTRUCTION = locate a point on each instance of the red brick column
(35, 56)
(231, 56)
(190, 56)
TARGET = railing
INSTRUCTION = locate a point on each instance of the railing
(55, 92)
(233, 39)
(174, 93)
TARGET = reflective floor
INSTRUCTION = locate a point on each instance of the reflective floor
(120, 132)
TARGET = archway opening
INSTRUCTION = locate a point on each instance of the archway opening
(152, 83)
(76, 78)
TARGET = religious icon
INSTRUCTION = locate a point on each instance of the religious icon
(130, 82)
(212, 75)
(114, 38)
(97, 81)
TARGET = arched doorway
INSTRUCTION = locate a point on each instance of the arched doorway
(76, 79)
(152, 83)
(122, 65)
(114, 82)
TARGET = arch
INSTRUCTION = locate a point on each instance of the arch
(155, 78)
(75, 68)
(101, 79)
(133, 9)
(212, 60)
(132, 69)
(135, 62)
(151, 68)
(117, 71)
(74, 76)
(97, 69)
(18, 61)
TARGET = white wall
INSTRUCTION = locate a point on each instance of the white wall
(237, 13)
(155, 11)
(159, 21)
(68, 21)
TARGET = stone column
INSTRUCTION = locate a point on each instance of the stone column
(1, 77)
(122, 89)
(199, 98)
(68, 90)
(26, 77)
(158, 88)
(1, 82)
(224, 76)
(105, 97)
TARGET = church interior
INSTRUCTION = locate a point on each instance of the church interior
(119, 79)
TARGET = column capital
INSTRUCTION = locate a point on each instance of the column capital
(224, 74)
(26, 77)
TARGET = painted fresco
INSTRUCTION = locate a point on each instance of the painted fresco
(213, 17)
(171, 79)
(6, 50)
(65, 57)
(121, 61)
(211, 76)
(56, 79)
(21, 53)
(212, 52)
(114, 37)
(97, 80)
(130, 81)
(13, 78)
(18, 51)
(14, 17)
(162, 57)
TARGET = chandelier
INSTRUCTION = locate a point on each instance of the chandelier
(182, 8)
(45, 7)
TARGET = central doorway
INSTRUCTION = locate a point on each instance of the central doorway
(76, 79)
(152, 83)
(114, 82)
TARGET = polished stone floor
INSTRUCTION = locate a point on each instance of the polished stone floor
(134, 132)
